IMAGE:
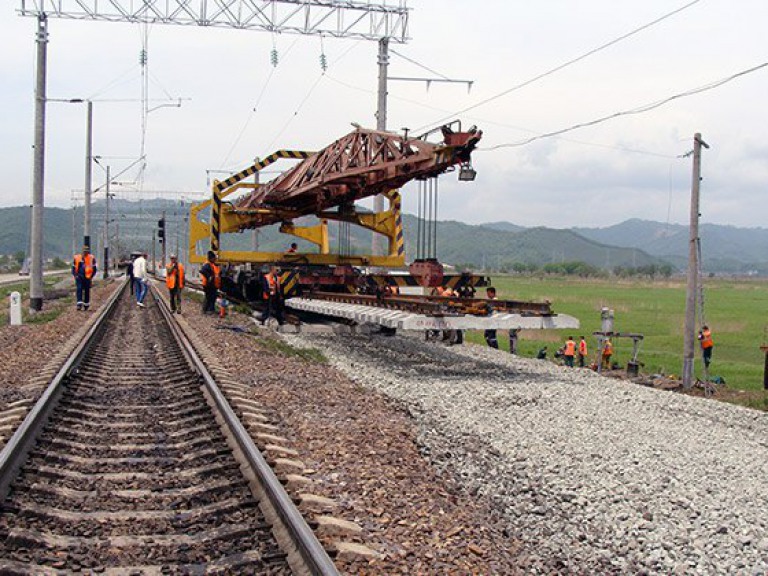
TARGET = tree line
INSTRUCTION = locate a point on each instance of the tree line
(584, 270)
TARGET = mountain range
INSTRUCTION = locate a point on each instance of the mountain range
(493, 245)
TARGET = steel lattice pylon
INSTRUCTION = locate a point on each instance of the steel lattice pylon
(336, 18)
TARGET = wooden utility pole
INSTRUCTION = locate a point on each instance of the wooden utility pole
(689, 336)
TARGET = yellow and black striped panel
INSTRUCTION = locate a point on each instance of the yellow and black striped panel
(289, 280)
(394, 195)
(215, 220)
(251, 170)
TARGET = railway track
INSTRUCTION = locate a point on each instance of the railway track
(123, 468)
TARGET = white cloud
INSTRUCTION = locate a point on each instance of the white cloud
(498, 44)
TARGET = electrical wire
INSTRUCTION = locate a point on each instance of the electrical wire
(255, 107)
(422, 66)
(296, 112)
(247, 120)
(156, 81)
(502, 124)
(307, 96)
(560, 66)
(633, 111)
(112, 83)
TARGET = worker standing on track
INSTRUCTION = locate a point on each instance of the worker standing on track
(707, 344)
(83, 269)
(273, 294)
(582, 351)
(490, 335)
(174, 280)
(140, 279)
(210, 275)
(569, 351)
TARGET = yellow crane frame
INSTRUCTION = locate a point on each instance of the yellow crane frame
(224, 219)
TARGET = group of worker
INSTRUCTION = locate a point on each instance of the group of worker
(571, 350)
(84, 269)
(272, 290)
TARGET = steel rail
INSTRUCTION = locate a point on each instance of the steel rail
(312, 552)
(15, 452)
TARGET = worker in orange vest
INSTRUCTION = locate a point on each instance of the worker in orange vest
(273, 294)
(607, 353)
(582, 351)
(210, 275)
(83, 269)
(174, 280)
(707, 344)
(569, 351)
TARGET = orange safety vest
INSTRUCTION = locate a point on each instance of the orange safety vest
(608, 349)
(706, 339)
(216, 276)
(174, 278)
(273, 283)
(89, 262)
(583, 348)
(570, 348)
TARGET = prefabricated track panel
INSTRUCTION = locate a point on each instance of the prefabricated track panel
(402, 320)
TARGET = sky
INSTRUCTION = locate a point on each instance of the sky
(236, 105)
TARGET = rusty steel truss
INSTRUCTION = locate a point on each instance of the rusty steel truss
(361, 164)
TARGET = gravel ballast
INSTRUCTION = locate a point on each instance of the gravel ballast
(592, 474)
(25, 350)
(360, 449)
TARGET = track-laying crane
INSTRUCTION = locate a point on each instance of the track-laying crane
(326, 184)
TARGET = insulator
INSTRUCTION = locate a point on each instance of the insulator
(273, 57)
(323, 62)
(143, 57)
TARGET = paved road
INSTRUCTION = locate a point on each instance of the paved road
(15, 278)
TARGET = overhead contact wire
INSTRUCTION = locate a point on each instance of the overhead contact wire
(561, 66)
(502, 124)
(633, 111)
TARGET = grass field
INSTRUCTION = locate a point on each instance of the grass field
(734, 309)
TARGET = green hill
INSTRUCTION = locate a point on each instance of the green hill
(14, 231)
(724, 248)
(495, 245)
